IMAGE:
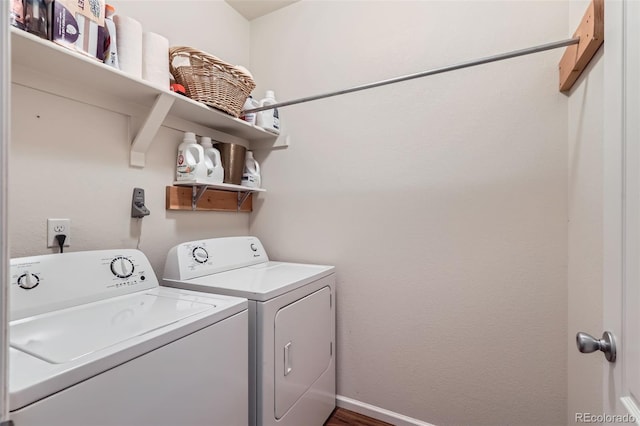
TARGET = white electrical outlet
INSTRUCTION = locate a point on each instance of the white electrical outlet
(58, 227)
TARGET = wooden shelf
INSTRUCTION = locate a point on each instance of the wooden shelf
(590, 31)
(222, 186)
(45, 66)
(196, 195)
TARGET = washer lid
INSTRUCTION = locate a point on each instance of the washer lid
(259, 282)
(63, 336)
(53, 351)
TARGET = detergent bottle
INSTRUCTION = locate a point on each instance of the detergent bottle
(251, 176)
(269, 120)
(250, 103)
(190, 161)
(212, 161)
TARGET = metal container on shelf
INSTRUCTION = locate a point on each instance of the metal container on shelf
(233, 158)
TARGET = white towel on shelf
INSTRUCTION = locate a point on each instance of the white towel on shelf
(155, 59)
(129, 43)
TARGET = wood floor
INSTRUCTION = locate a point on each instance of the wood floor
(342, 417)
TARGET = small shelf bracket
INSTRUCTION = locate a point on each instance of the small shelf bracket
(242, 197)
(196, 194)
(149, 129)
(198, 191)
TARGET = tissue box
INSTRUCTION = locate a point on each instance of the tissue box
(79, 25)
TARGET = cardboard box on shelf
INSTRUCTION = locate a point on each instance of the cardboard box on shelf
(79, 25)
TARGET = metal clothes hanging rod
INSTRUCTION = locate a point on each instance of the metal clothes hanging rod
(486, 60)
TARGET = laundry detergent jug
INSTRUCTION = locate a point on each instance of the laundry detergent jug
(190, 161)
(269, 120)
(251, 176)
(212, 161)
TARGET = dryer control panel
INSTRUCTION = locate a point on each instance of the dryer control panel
(44, 283)
(205, 257)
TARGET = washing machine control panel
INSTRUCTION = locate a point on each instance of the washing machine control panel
(43, 283)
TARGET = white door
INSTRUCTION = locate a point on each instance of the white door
(621, 220)
(303, 347)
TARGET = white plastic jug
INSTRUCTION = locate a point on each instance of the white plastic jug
(270, 119)
(251, 176)
(212, 161)
(190, 161)
(250, 103)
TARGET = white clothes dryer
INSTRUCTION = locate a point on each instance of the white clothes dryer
(94, 340)
(291, 324)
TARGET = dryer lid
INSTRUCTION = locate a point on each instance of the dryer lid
(260, 282)
(66, 335)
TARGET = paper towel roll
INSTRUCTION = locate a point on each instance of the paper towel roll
(155, 59)
(129, 42)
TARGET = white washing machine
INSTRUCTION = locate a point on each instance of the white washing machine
(291, 324)
(95, 341)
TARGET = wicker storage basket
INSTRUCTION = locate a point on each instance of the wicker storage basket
(210, 80)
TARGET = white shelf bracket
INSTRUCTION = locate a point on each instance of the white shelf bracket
(149, 129)
(196, 193)
(242, 198)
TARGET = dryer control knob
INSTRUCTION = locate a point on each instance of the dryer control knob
(200, 255)
(28, 280)
(254, 247)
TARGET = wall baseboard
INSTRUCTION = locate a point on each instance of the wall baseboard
(377, 412)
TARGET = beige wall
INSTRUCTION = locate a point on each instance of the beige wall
(442, 201)
(72, 160)
(585, 230)
(210, 25)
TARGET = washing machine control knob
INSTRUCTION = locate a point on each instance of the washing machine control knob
(200, 254)
(122, 267)
(28, 280)
(254, 247)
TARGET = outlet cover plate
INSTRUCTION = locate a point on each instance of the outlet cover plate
(56, 227)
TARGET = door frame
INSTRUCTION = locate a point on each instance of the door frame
(5, 132)
(621, 163)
